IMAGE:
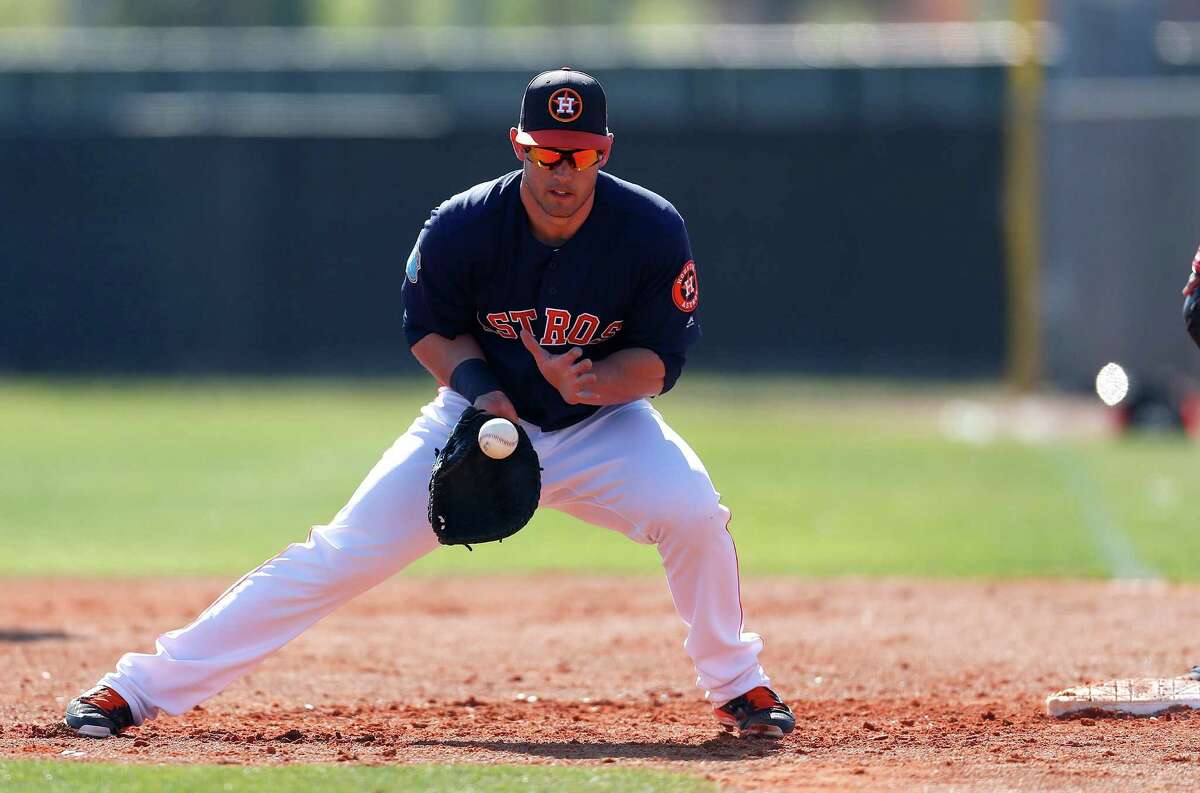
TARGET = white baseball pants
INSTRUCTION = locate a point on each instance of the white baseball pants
(622, 468)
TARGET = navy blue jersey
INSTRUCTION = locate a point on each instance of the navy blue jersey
(626, 279)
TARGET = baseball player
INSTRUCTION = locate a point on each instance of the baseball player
(557, 296)
(1191, 316)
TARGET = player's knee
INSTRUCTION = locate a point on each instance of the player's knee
(691, 512)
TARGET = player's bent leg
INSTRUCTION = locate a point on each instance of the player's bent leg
(382, 529)
(627, 470)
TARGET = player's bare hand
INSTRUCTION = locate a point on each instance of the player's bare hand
(1194, 282)
(570, 373)
(498, 404)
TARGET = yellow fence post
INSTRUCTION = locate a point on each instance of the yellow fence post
(1021, 204)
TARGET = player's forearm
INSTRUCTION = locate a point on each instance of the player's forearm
(440, 356)
(626, 375)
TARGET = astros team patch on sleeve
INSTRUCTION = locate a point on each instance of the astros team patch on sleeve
(686, 290)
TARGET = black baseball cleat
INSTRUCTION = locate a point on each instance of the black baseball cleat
(759, 711)
(99, 713)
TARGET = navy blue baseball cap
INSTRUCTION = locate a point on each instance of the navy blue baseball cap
(564, 109)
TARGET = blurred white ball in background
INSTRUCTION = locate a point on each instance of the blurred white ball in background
(1112, 384)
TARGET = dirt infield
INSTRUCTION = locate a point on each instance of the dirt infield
(897, 685)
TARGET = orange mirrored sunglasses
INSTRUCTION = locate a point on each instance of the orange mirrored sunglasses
(582, 159)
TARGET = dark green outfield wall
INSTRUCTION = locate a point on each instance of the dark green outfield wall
(844, 221)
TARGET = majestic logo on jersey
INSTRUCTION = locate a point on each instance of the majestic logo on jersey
(565, 105)
(414, 263)
(686, 290)
(560, 327)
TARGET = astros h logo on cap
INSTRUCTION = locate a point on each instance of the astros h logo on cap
(566, 105)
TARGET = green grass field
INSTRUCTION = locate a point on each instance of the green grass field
(131, 478)
(44, 777)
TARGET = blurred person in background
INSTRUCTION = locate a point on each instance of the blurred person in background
(1192, 294)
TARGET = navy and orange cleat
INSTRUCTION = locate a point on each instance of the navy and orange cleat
(99, 713)
(759, 712)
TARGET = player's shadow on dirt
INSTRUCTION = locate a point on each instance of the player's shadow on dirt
(723, 747)
(19, 636)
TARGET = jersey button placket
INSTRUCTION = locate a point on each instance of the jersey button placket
(551, 266)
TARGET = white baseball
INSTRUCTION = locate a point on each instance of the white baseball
(498, 438)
